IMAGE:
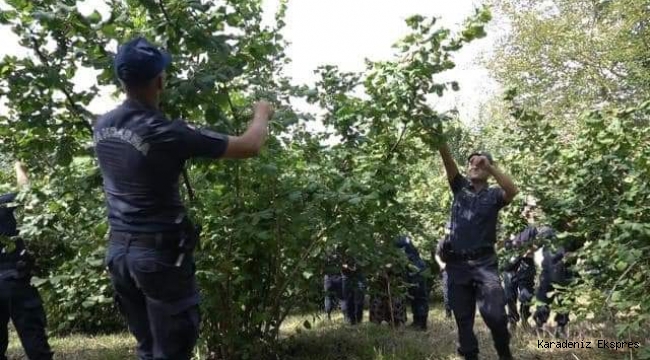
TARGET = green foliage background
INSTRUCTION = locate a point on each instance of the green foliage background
(269, 221)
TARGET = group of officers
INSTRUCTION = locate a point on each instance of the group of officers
(141, 155)
(345, 285)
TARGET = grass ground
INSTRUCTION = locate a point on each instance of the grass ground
(333, 340)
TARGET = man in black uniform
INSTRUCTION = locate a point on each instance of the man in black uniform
(19, 300)
(472, 266)
(554, 272)
(519, 278)
(418, 289)
(333, 285)
(353, 291)
(141, 155)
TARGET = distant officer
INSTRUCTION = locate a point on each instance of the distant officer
(418, 290)
(554, 273)
(554, 270)
(519, 278)
(19, 300)
(333, 285)
(469, 253)
(353, 290)
(141, 154)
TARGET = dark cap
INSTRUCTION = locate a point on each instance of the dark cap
(138, 61)
(481, 153)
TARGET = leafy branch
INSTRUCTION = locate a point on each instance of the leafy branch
(81, 112)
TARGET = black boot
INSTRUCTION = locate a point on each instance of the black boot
(506, 356)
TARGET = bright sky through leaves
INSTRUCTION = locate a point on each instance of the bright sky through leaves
(344, 33)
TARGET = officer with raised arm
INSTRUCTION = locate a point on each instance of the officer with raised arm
(141, 154)
(19, 299)
(472, 266)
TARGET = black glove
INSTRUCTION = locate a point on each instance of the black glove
(25, 265)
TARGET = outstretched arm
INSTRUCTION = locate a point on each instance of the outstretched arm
(510, 190)
(450, 165)
(250, 143)
(508, 187)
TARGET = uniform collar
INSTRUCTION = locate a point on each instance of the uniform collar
(470, 188)
(135, 104)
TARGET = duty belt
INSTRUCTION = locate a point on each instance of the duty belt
(160, 241)
(12, 268)
(473, 254)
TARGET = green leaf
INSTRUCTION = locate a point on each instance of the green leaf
(474, 32)
(295, 196)
(95, 17)
(414, 21)
(355, 200)
(36, 281)
(214, 115)
(95, 262)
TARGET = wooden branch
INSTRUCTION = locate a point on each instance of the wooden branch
(399, 140)
(281, 288)
(81, 112)
(611, 292)
(166, 15)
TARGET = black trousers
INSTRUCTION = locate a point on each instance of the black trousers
(472, 281)
(419, 294)
(520, 288)
(333, 287)
(159, 300)
(543, 311)
(353, 293)
(21, 302)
